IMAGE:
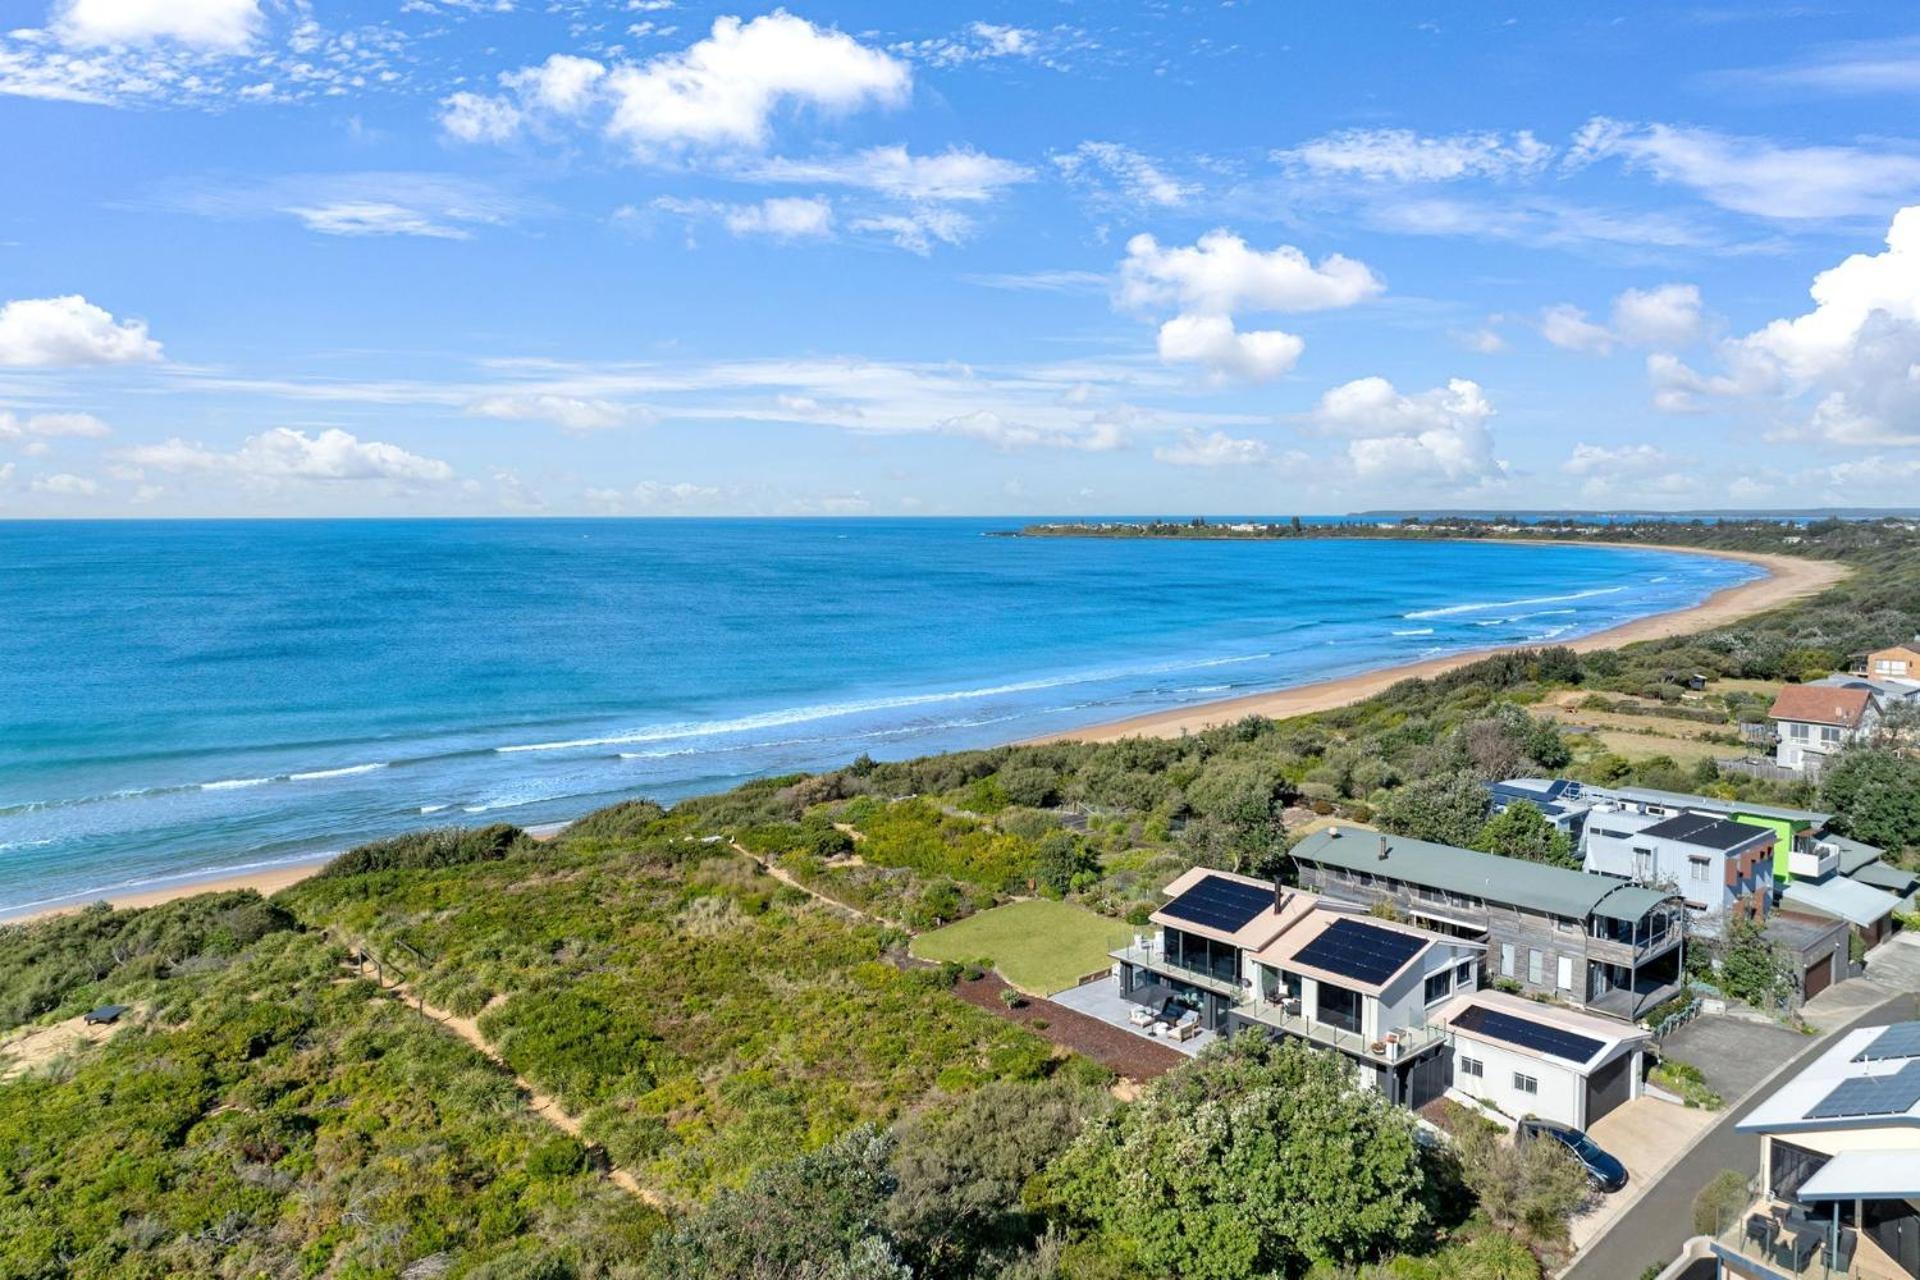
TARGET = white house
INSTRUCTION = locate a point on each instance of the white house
(1816, 722)
(1534, 1059)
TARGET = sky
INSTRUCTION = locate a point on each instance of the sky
(659, 257)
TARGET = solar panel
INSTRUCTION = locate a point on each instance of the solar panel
(1363, 951)
(1219, 903)
(1526, 1033)
(1888, 1095)
(1902, 1040)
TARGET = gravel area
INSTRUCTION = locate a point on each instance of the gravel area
(1118, 1050)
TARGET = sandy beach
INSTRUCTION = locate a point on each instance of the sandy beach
(1789, 578)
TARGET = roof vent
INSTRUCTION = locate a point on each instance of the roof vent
(1333, 833)
(1383, 848)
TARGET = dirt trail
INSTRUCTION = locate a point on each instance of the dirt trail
(541, 1104)
(786, 877)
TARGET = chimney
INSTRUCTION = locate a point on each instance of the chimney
(1383, 847)
(1279, 895)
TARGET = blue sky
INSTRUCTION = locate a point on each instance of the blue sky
(300, 257)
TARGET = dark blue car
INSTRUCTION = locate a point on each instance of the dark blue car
(1605, 1172)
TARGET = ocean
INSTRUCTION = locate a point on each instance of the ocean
(184, 699)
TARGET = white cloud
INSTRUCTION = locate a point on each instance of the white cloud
(916, 230)
(1401, 155)
(377, 203)
(563, 84)
(979, 42)
(66, 486)
(285, 453)
(569, 413)
(1439, 434)
(372, 218)
(1215, 449)
(725, 89)
(227, 25)
(1139, 179)
(1485, 340)
(1634, 473)
(43, 426)
(958, 173)
(1212, 341)
(1594, 459)
(1667, 315)
(69, 330)
(1095, 436)
(1566, 326)
(1221, 275)
(780, 217)
(1756, 175)
(475, 117)
(1856, 354)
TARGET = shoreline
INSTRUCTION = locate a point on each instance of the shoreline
(1788, 579)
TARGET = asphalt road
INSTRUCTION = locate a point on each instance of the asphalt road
(1659, 1224)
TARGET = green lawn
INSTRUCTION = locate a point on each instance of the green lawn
(1040, 947)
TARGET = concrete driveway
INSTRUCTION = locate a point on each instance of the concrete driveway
(1647, 1135)
(1735, 1054)
(1893, 968)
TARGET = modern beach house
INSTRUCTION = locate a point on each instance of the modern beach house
(1242, 952)
(1723, 869)
(1839, 1177)
(1597, 942)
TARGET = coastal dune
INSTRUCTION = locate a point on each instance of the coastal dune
(1789, 578)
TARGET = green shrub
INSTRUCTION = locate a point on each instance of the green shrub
(422, 850)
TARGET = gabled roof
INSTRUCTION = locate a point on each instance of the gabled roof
(1255, 933)
(1822, 704)
(1910, 650)
(1609, 1033)
(1281, 953)
(1845, 899)
(1555, 890)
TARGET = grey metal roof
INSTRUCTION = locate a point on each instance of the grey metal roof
(1853, 853)
(1683, 800)
(1630, 902)
(1481, 875)
(1849, 900)
(1882, 876)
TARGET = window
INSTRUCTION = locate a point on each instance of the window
(1438, 985)
(1642, 862)
(1463, 976)
(1471, 1067)
(1797, 731)
(1566, 973)
(1506, 959)
(1536, 966)
(1698, 867)
(1829, 735)
(1525, 1083)
(1564, 924)
(1339, 1007)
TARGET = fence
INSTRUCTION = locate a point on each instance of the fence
(1676, 1020)
(1768, 770)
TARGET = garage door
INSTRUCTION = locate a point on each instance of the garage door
(1608, 1087)
(1818, 977)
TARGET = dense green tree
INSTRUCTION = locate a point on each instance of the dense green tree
(1874, 793)
(817, 1217)
(1260, 1158)
(1751, 966)
(1033, 786)
(1060, 857)
(961, 1165)
(1239, 803)
(1522, 831)
(1530, 1187)
(1448, 808)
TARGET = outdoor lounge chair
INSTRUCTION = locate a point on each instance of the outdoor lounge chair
(1841, 1258)
(1761, 1229)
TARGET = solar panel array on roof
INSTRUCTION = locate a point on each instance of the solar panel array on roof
(1888, 1095)
(1363, 951)
(1219, 903)
(1902, 1040)
(1512, 1029)
(1707, 832)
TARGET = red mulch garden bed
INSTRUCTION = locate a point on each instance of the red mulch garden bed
(1115, 1048)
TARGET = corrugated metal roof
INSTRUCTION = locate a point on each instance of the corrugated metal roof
(1482, 875)
(1848, 900)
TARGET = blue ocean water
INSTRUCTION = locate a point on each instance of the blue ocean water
(184, 698)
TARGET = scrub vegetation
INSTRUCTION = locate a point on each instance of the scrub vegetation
(766, 1085)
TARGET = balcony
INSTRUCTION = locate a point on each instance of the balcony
(1631, 1002)
(1153, 959)
(1397, 1046)
(1770, 1240)
(1813, 861)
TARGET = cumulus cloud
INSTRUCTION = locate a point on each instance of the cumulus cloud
(285, 453)
(1855, 354)
(1567, 326)
(1221, 274)
(1667, 315)
(1401, 155)
(1754, 175)
(569, 413)
(45, 426)
(64, 485)
(720, 92)
(225, 25)
(1426, 436)
(1213, 342)
(1112, 169)
(43, 332)
(1213, 449)
(1631, 472)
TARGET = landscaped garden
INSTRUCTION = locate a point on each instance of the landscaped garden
(1039, 945)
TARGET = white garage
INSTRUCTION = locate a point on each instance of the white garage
(1533, 1059)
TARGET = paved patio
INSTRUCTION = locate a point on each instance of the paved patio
(1101, 999)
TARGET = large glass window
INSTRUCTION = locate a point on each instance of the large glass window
(1340, 1007)
(1789, 1167)
(1438, 985)
(1202, 955)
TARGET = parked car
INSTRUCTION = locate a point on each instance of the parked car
(1603, 1170)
